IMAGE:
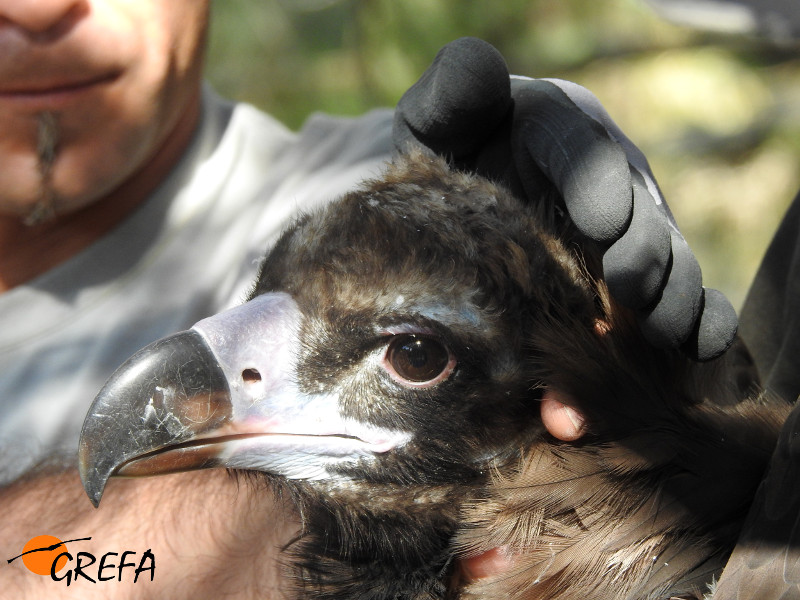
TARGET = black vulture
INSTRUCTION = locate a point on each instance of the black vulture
(386, 374)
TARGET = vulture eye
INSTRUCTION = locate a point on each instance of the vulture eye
(418, 360)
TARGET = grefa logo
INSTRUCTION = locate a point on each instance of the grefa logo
(48, 555)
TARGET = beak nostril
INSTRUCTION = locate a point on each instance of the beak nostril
(251, 376)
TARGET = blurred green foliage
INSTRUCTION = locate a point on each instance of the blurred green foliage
(718, 116)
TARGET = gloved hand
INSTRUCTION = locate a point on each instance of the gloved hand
(533, 134)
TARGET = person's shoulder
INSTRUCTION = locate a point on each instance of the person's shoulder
(378, 119)
(323, 138)
(347, 139)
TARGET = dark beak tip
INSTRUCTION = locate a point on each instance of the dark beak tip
(93, 485)
(94, 491)
(149, 403)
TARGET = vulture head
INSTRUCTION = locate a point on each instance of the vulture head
(387, 373)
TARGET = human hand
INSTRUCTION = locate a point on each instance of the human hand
(537, 134)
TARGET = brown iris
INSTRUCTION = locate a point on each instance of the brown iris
(419, 359)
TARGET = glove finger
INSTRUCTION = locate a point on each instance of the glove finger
(575, 152)
(457, 103)
(590, 105)
(670, 322)
(634, 266)
(715, 330)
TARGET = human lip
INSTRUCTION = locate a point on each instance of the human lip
(51, 94)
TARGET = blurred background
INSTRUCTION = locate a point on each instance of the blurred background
(718, 115)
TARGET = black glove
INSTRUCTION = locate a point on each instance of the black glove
(534, 134)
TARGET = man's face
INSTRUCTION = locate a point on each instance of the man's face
(90, 90)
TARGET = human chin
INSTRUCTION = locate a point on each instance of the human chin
(44, 158)
(20, 185)
(101, 148)
(83, 173)
(88, 171)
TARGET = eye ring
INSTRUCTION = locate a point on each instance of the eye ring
(416, 360)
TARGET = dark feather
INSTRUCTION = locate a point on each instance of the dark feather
(648, 504)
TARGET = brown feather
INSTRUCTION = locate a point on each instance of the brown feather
(647, 504)
(650, 502)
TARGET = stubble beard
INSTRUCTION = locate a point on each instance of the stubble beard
(47, 134)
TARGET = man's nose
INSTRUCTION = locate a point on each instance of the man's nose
(38, 16)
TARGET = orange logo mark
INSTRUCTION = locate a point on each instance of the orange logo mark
(40, 552)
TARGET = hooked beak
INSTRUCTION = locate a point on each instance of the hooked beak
(170, 392)
(222, 394)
